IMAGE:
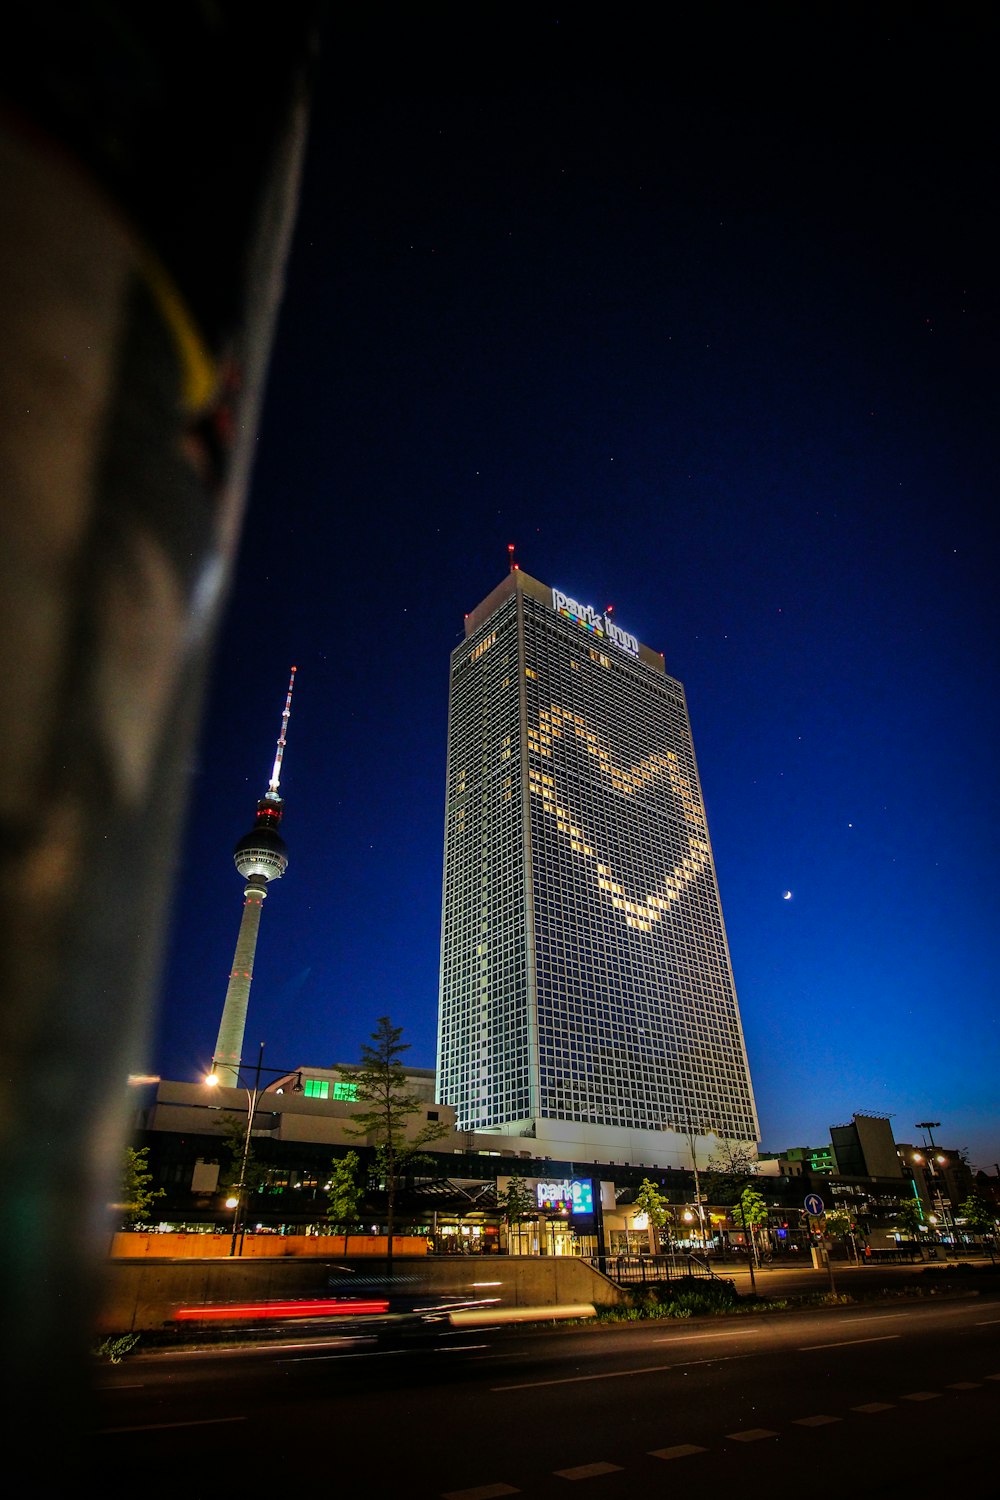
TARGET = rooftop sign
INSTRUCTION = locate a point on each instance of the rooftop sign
(597, 625)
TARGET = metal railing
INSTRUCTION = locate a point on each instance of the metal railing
(647, 1270)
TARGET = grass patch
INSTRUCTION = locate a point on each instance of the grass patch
(710, 1299)
(695, 1300)
(115, 1347)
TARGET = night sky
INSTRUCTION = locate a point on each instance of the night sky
(703, 320)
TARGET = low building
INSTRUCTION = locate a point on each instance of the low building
(453, 1194)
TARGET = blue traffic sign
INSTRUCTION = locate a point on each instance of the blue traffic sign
(813, 1205)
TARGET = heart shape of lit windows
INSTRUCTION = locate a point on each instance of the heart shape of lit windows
(640, 911)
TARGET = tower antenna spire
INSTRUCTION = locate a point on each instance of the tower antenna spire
(260, 857)
(510, 557)
(272, 790)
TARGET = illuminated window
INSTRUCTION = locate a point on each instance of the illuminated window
(316, 1088)
(347, 1091)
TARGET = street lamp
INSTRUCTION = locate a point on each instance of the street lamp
(253, 1098)
(691, 1134)
(932, 1160)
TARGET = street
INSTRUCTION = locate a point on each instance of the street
(876, 1396)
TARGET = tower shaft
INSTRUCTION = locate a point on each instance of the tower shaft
(229, 1043)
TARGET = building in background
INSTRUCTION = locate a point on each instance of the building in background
(865, 1147)
(586, 992)
(798, 1161)
(940, 1180)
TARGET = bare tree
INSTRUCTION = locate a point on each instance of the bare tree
(732, 1168)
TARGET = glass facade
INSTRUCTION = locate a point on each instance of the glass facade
(585, 973)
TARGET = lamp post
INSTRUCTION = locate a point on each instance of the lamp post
(931, 1160)
(253, 1099)
(691, 1139)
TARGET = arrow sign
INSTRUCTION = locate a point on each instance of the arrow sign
(813, 1205)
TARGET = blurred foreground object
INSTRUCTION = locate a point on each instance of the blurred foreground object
(150, 161)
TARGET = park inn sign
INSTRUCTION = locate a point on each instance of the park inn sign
(571, 1194)
(598, 625)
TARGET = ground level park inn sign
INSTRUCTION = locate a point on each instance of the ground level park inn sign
(598, 625)
(571, 1194)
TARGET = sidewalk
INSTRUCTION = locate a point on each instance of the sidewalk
(779, 1279)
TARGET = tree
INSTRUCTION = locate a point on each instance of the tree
(344, 1195)
(515, 1205)
(656, 1208)
(840, 1225)
(980, 1213)
(381, 1083)
(908, 1219)
(749, 1212)
(234, 1135)
(137, 1193)
(838, 1222)
(730, 1170)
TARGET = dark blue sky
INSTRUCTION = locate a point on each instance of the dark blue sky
(705, 323)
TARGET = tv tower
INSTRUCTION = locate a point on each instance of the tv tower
(260, 857)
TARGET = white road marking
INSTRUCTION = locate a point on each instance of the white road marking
(171, 1426)
(921, 1396)
(870, 1406)
(847, 1343)
(588, 1471)
(882, 1318)
(687, 1338)
(751, 1435)
(534, 1385)
(482, 1492)
(679, 1450)
(817, 1421)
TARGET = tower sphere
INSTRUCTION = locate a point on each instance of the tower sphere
(261, 852)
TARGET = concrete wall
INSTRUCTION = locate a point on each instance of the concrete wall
(142, 1295)
(125, 1246)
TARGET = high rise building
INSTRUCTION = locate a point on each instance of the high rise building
(586, 992)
